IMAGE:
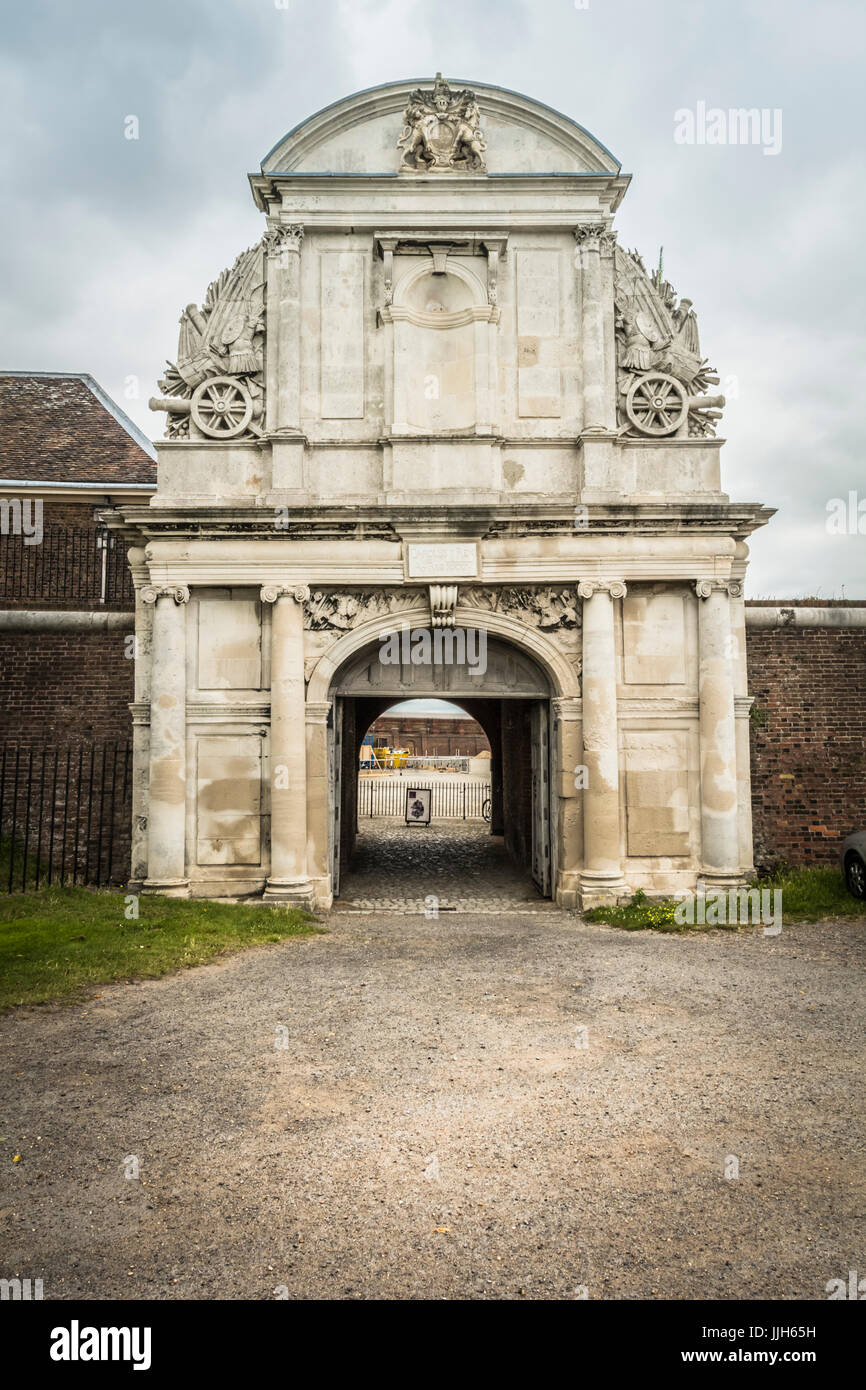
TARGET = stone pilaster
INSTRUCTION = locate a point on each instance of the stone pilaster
(720, 857)
(601, 878)
(166, 816)
(140, 708)
(284, 328)
(288, 880)
(593, 241)
(742, 712)
(570, 793)
(319, 808)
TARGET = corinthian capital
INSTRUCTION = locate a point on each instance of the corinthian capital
(271, 592)
(594, 236)
(615, 587)
(151, 592)
(282, 237)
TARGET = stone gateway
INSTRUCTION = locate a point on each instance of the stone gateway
(436, 394)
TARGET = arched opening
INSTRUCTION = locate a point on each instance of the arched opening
(510, 854)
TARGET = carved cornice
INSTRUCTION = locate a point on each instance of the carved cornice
(149, 593)
(616, 588)
(271, 592)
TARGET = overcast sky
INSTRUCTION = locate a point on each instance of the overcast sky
(105, 239)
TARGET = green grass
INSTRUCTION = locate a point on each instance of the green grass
(808, 895)
(60, 943)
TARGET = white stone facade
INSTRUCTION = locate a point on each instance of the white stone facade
(438, 393)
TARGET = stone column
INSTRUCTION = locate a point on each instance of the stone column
(166, 817)
(592, 240)
(720, 857)
(601, 879)
(288, 880)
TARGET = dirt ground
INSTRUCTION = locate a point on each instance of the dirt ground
(474, 1107)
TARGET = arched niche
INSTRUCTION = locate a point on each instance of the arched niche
(442, 346)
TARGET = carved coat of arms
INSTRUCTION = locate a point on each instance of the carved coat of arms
(441, 130)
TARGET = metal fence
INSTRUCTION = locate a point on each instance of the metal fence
(450, 801)
(71, 563)
(65, 815)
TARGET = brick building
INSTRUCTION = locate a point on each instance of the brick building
(66, 624)
(66, 597)
(429, 736)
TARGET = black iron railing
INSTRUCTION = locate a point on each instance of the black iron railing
(70, 563)
(65, 815)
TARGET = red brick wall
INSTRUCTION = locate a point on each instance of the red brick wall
(808, 738)
(63, 687)
(427, 737)
(64, 570)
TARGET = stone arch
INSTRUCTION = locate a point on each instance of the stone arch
(561, 674)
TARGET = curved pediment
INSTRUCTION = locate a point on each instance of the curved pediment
(359, 135)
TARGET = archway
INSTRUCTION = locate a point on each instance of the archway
(496, 683)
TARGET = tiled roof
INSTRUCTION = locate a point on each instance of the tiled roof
(62, 428)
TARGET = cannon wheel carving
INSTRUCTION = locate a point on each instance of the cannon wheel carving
(222, 407)
(657, 404)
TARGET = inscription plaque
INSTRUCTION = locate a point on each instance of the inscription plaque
(455, 561)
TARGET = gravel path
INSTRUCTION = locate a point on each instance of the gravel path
(434, 1127)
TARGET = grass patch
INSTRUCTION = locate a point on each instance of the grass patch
(808, 895)
(641, 914)
(60, 942)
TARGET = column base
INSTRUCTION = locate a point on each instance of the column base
(568, 889)
(296, 892)
(718, 881)
(602, 890)
(166, 887)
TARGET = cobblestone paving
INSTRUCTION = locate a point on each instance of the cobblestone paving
(396, 867)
